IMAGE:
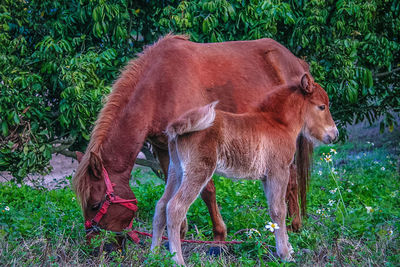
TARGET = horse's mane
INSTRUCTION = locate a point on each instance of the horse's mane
(122, 89)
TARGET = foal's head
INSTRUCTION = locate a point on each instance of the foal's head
(318, 122)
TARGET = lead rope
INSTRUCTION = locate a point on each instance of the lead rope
(192, 241)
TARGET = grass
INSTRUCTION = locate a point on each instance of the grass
(353, 219)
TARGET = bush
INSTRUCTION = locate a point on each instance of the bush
(58, 58)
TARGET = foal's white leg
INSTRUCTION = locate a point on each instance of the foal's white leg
(275, 189)
(159, 220)
(178, 206)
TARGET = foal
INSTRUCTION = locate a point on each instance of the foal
(257, 145)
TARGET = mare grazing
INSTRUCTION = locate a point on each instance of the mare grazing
(167, 79)
(254, 145)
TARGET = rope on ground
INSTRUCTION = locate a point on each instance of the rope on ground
(194, 241)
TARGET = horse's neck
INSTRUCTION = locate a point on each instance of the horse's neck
(119, 153)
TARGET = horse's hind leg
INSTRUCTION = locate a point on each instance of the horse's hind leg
(275, 186)
(293, 200)
(209, 196)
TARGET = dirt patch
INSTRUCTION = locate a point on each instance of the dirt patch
(63, 168)
(364, 132)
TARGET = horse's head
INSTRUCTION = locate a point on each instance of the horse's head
(318, 119)
(105, 197)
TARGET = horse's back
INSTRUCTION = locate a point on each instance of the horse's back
(179, 75)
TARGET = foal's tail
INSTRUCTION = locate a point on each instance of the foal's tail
(303, 161)
(194, 120)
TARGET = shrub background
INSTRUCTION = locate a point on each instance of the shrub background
(58, 59)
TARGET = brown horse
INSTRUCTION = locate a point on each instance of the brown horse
(166, 80)
(255, 145)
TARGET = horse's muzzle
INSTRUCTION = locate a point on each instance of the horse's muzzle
(109, 246)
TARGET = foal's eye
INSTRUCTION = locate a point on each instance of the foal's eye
(322, 107)
(96, 206)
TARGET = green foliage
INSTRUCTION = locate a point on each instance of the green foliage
(352, 47)
(57, 61)
(59, 58)
(218, 21)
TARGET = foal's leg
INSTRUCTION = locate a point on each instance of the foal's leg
(275, 189)
(159, 220)
(164, 159)
(208, 195)
(192, 184)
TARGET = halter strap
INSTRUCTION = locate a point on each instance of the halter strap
(92, 225)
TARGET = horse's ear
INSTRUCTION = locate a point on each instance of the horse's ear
(79, 156)
(307, 84)
(96, 166)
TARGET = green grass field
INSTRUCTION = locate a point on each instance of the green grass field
(353, 219)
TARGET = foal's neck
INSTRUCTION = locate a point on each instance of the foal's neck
(285, 107)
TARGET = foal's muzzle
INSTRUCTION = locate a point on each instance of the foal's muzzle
(331, 136)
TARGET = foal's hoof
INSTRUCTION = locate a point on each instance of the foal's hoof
(166, 245)
(289, 258)
(215, 251)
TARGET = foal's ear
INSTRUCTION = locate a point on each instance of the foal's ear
(96, 166)
(79, 156)
(307, 84)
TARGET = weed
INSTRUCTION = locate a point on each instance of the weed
(353, 219)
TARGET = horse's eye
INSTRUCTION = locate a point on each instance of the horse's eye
(322, 107)
(96, 206)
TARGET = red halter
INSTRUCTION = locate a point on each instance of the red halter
(92, 225)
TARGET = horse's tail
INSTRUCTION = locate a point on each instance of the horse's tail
(303, 163)
(194, 120)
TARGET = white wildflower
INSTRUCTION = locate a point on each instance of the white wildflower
(272, 226)
(331, 202)
(252, 232)
(369, 209)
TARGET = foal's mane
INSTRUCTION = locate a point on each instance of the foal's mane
(122, 89)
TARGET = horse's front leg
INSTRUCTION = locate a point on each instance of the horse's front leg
(275, 186)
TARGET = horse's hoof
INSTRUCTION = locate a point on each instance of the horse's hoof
(215, 251)
(166, 245)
